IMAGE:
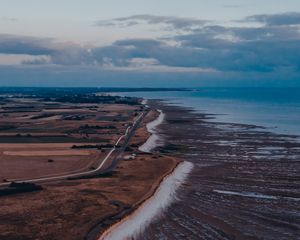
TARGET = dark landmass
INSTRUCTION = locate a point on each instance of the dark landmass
(66, 90)
(15, 188)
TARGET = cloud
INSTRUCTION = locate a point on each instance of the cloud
(206, 48)
(121, 53)
(46, 50)
(231, 6)
(39, 60)
(215, 54)
(245, 49)
(8, 19)
(12, 44)
(173, 22)
(290, 18)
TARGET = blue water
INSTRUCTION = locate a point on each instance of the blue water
(278, 109)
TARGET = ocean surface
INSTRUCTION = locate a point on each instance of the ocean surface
(277, 109)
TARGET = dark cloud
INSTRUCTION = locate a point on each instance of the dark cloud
(59, 53)
(270, 33)
(122, 53)
(174, 22)
(11, 44)
(291, 18)
(265, 49)
(248, 49)
(245, 49)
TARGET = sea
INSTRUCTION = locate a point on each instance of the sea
(276, 109)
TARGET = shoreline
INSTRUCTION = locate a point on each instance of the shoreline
(146, 148)
(240, 168)
(109, 234)
(95, 235)
(153, 141)
(98, 202)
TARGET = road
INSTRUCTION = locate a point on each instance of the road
(100, 169)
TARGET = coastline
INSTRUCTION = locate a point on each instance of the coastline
(240, 167)
(117, 230)
(181, 167)
(98, 202)
(151, 142)
(95, 234)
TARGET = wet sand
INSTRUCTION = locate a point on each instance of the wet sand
(245, 183)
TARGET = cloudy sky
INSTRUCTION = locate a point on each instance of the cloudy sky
(150, 43)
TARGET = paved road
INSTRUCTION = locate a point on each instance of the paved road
(100, 169)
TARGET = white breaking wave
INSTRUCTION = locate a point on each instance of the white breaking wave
(134, 224)
(154, 140)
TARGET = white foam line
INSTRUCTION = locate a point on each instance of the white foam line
(246, 194)
(255, 195)
(133, 225)
(153, 141)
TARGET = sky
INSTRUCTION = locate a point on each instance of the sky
(189, 43)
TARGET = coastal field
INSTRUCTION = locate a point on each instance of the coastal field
(45, 138)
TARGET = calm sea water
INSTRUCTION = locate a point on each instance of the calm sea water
(278, 109)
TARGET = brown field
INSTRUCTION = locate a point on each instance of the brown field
(39, 143)
(36, 137)
(71, 209)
